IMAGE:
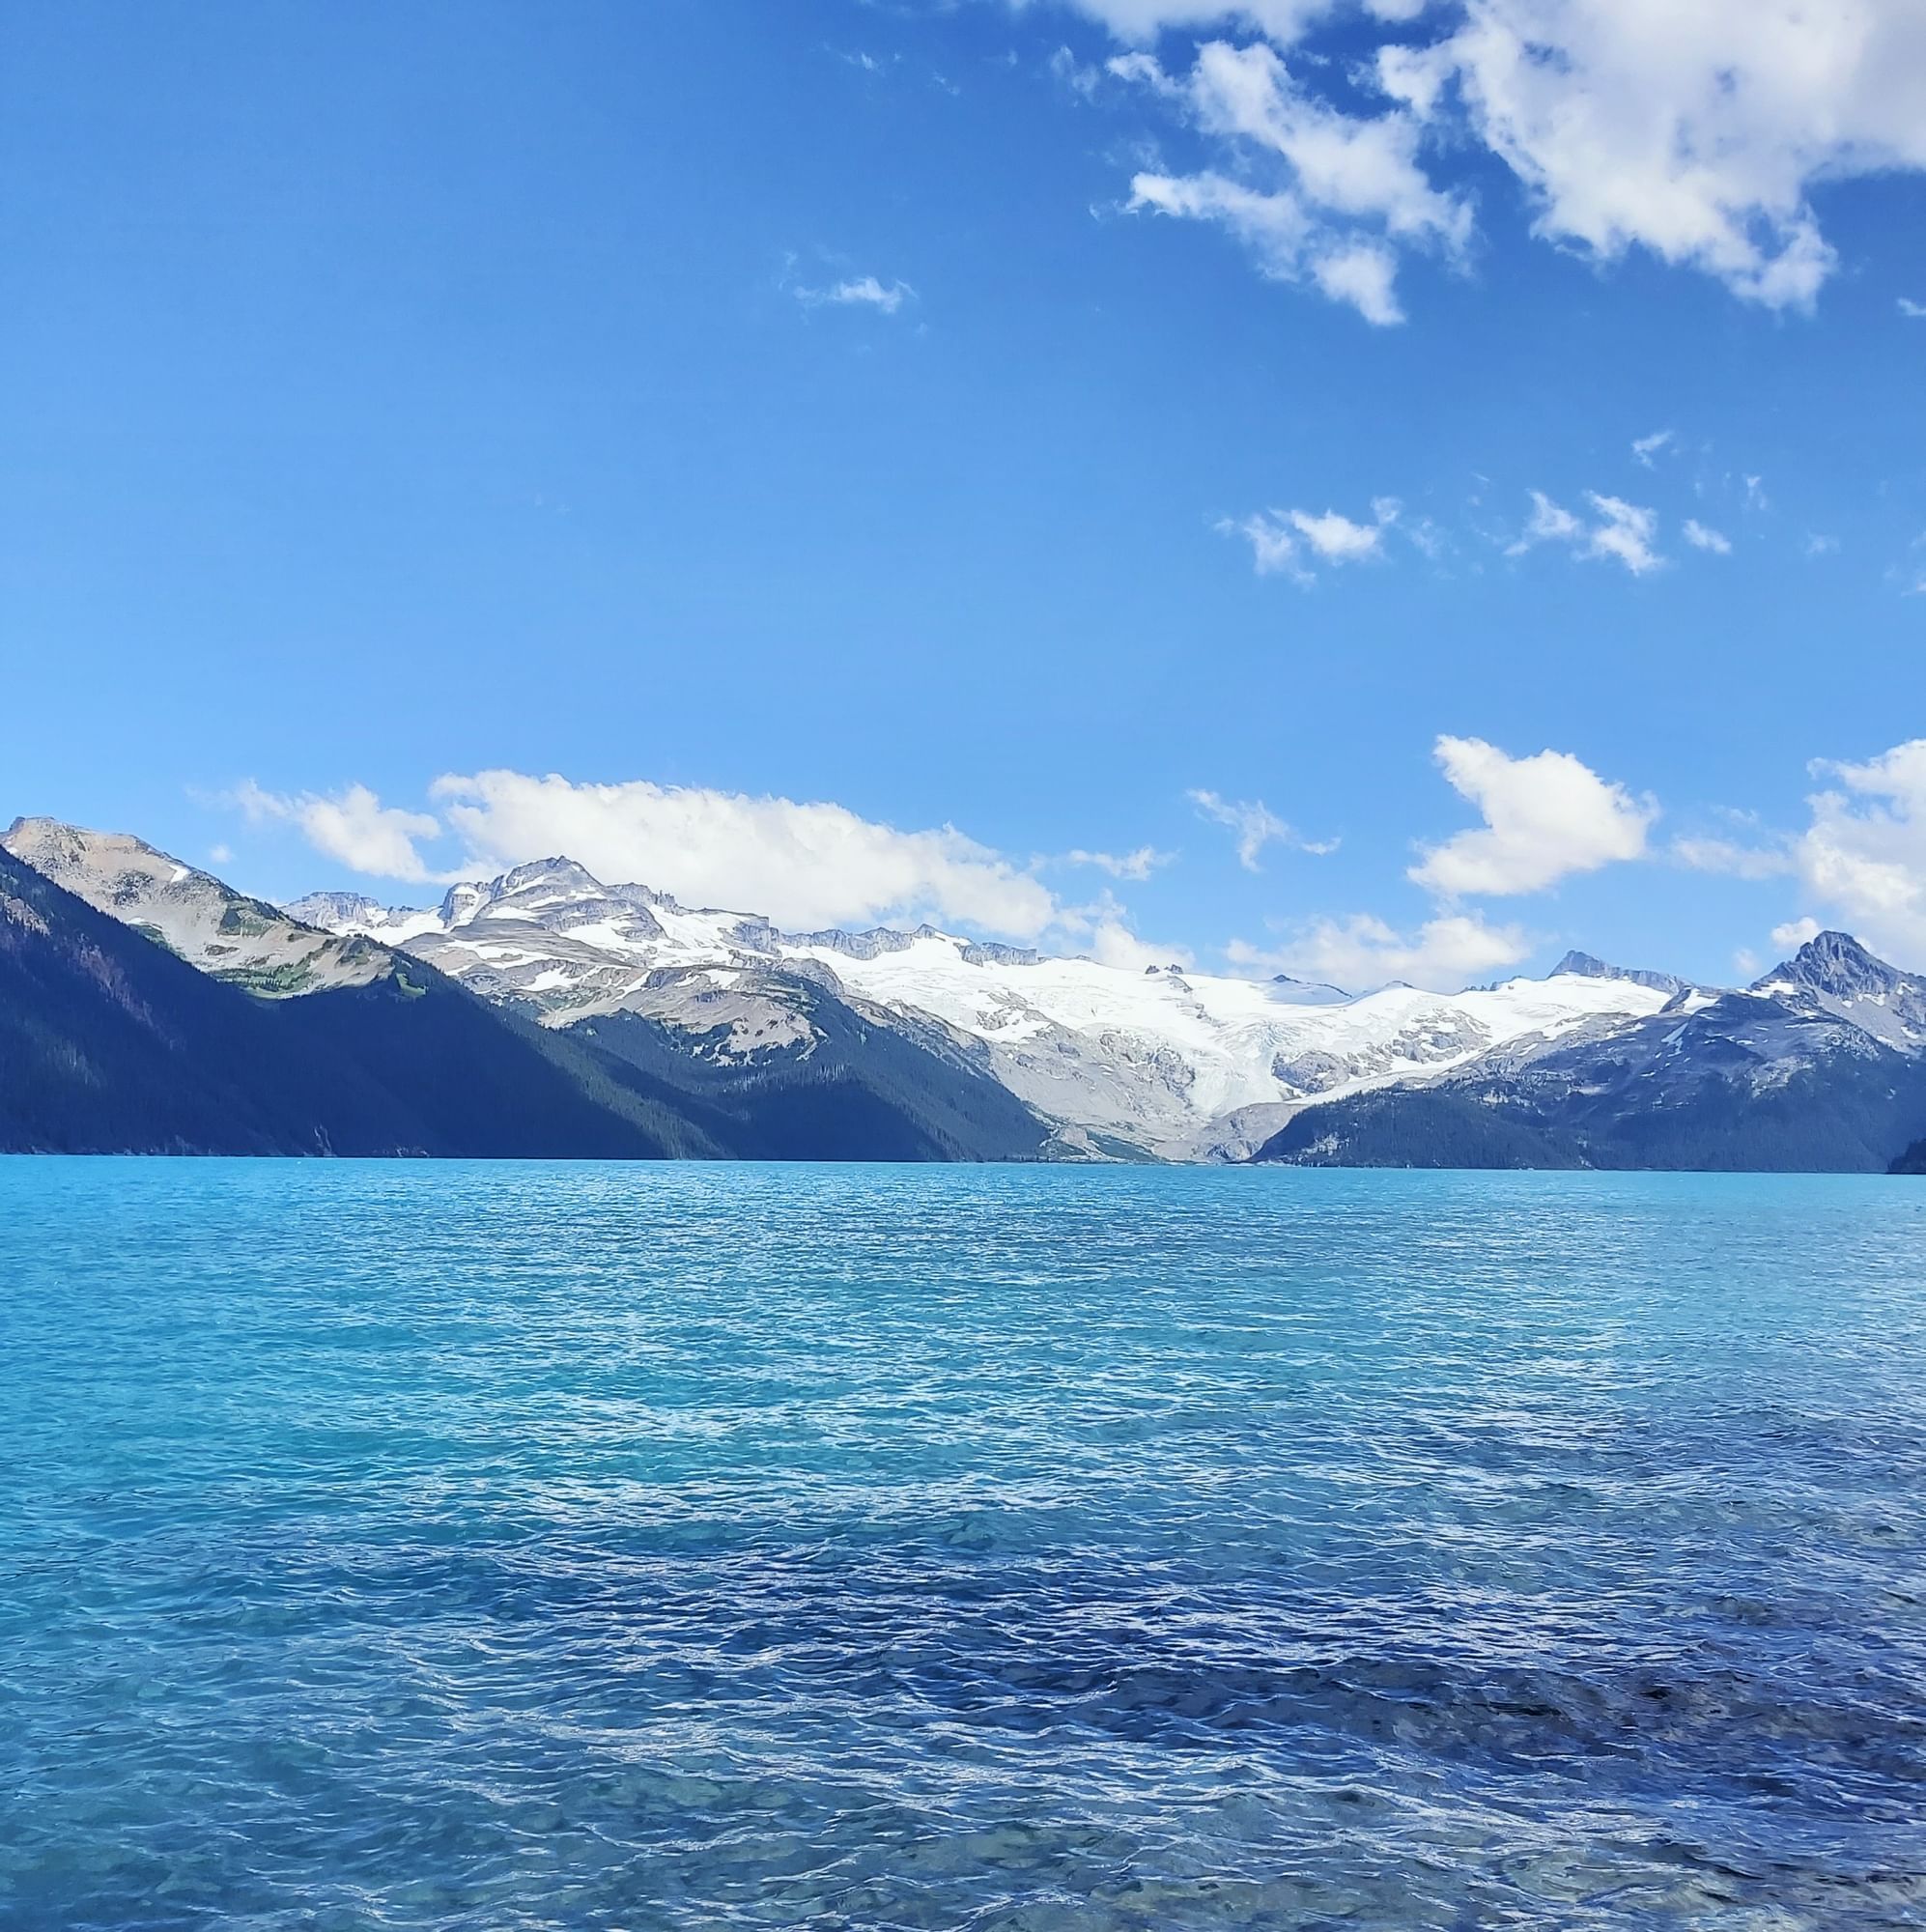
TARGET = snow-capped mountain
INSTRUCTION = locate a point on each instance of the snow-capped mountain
(211, 926)
(669, 1027)
(1177, 1064)
(1833, 974)
(1821, 1065)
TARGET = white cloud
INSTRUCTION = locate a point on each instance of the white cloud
(1695, 132)
(802, 864)
(1337, 194)
(1730, 859)
(1745, 963)
(1821, 545)
(1646, 447)
(1550, 522)
(220, 855)
(1142, 20)
(1255, 826)
(1622, 531)
(1701, 538)
(1360, 951)
(353, 827)
(1864, 856)
(1112, 943)
(806, 865)
(1545, 817)
(1273, 544)
(1137, 865)
(1861, 859)
(1908, 307)
(1279, 538)
(858, 292)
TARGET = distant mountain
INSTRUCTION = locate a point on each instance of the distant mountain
(1586, 965)
(1160, 1061)
(1833, 974)
(243, 941)
(112, 1042)
(1821, 1066)
(780, 1070)
(546, 1011)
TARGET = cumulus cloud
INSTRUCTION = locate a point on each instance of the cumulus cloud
(1280, 539)
(1702, 537)
(1545, 817)
(1696, 133)
(351, 827)
(1860, 859)
(1112, 943)
(1255, 826)
(1795, 934)
(1359, 951)
(1864, 855)
(804, 865)
(1624, 533)
(1915, 310)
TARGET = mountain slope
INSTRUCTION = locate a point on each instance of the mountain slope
(839, 1084)
(780, 1069)
(242, 940)
(110, 1042)
(1160, 1062)
(1787, 1077)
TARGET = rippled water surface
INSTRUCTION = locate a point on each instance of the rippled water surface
(456, 1546)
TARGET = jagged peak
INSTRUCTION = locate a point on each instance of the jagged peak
(1836, 963)
(1588, 966)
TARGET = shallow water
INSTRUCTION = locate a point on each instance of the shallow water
(414, 1545)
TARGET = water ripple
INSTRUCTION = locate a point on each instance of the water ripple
(446, 1547)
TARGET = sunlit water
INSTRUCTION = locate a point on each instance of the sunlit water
(457, 1547)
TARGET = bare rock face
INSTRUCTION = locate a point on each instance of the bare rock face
(242, 940)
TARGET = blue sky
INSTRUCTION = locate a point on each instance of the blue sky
(844, 459)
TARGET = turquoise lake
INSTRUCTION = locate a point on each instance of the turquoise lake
(410, 1545)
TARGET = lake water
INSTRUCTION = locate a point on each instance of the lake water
(403, 1546)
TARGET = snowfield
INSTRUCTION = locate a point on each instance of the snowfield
(1180, 1064)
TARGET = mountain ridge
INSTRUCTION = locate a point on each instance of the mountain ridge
(1169, 1063)
(711, 1030)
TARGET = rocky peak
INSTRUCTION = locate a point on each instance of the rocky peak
(1588, 966)
(1835, 963)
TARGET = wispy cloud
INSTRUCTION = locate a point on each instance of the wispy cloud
(1255, 825)
(1137, 865)
(1703, 537)
(857, 291)
(1289, 542)
(1701, 149)
(1647, 447)
(1622, 531)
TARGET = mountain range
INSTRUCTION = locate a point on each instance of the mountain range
(145, 1003)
